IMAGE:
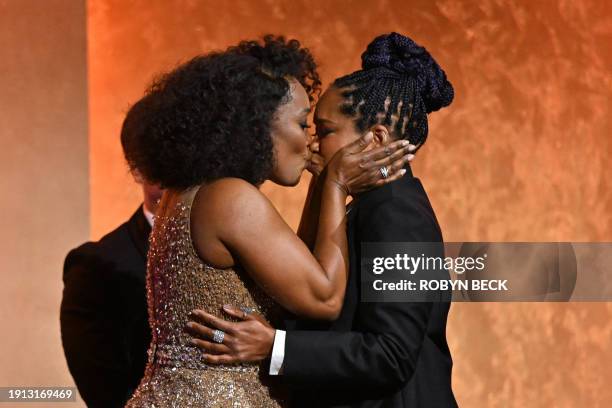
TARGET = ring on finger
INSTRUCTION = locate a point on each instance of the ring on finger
(247, 310)
(218, 336)
(384, 172)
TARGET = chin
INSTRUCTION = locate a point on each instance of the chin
(287, 181)
(295, 181)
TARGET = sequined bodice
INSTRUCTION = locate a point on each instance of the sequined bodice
(179, 281)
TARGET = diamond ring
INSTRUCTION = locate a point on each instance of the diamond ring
(247, 310)
(384, 172)
(218, 336)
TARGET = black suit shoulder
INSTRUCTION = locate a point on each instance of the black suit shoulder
(403, 209)
(114, 246)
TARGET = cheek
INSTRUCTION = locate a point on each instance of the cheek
(290, 143)
(295, 142)
(329, 145)
(301, 140)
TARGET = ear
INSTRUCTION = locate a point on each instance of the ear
(382, 136)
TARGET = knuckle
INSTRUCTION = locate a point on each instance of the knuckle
(258, 324)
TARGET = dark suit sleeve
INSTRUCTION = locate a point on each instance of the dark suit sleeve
(383, 349)
(97, 357)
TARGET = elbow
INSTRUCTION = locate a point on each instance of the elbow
(391, 376)
(330, 309)
(323, 303)
(400, 376)
(399, 366)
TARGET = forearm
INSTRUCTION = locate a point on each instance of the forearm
(331, 247)
(309, 222)
(380, 352)
(347, 359)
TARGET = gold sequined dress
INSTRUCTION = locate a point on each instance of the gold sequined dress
(178, 281)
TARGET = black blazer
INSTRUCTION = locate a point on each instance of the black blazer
(376, 354)
(103, 315)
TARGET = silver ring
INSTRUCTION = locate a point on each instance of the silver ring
(247, 310)
(384, 172)
(218, 336)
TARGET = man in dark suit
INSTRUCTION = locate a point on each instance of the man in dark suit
(103, 316)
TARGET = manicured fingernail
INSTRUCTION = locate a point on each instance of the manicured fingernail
(227, 307)
(411, 147)
(405, 143)
(410, 156)
(403, 171)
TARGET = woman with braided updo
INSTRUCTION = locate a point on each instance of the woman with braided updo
(398, 85)
(377, 354)
(212, 131)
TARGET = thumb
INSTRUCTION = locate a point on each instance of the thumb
(360, 144)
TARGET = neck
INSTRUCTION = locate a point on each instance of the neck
(150, 204)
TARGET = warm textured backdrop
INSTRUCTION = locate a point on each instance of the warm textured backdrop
(43, 181)
(521, 155)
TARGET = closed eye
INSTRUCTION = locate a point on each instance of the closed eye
(321, 133)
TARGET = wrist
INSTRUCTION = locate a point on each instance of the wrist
(336, 184)
(270, 335)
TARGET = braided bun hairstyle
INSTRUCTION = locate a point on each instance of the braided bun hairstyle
(399, 84)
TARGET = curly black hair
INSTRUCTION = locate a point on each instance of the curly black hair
(210, 117)
(399, 84)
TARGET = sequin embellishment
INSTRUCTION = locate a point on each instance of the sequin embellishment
(178, 281)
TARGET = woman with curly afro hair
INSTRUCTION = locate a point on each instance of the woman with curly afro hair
(217, 127)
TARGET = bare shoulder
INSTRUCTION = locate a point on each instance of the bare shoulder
(232, 202)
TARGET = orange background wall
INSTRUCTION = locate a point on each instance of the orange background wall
(521, 154)
(44, 181)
